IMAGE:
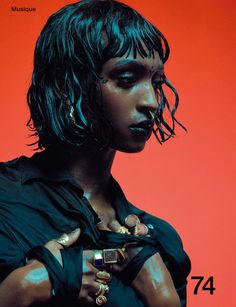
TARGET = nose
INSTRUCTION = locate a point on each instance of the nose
(147, 98)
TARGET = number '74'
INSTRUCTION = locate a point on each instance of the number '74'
(207, 286)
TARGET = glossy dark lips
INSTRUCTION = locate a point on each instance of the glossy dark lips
(142, 129)
(146, 124)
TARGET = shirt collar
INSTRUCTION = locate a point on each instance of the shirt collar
(46, 166)
(49, 166)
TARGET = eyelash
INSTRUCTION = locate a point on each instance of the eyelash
(126, 81)
(129, 81)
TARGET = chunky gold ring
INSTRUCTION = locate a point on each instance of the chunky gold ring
(100, 290)
(101, 300)
(123, 229)
(103, 290)
(106, 289)
(104, 276)
(63, 240)
(101, 295)
(110, 256)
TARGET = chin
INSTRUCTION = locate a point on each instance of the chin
(130, 148)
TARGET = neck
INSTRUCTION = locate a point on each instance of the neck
(91, 167)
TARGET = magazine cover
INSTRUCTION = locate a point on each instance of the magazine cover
(178, 168)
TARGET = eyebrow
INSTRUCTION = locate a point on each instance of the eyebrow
(126, 62)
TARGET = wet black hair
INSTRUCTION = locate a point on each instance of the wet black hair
(73, 46)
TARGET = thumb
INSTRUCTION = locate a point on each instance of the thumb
(114, 225)
(73, 237)
(66, 240)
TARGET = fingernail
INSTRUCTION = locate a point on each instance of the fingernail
(77, 230)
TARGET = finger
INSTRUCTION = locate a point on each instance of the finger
(114, 225)
(140, 230)
(95, 288)
(88, 255)
(117, 268)
(131, 220)
(130, 245)
(88, 265)
(102, 226)
(87, 292)
(74, 236)
(101, 290)
(90, 300)
(91, 289)
(87, 301)
(66, 240)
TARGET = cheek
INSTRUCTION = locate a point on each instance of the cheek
(115, 102)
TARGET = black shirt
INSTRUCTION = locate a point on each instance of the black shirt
(40, 200)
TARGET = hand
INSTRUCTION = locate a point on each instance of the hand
(89, 286)
(35, 278)
(54, 246)
(36, 270)
(153, 282)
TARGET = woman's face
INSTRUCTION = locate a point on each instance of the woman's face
(129, 95)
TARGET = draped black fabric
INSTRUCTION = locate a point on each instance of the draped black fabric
(66, 279)
(40, 200)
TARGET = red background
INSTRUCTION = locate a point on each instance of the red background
(188, 181)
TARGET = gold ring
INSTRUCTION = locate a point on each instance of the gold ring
(104, 276)
(106, 289)
(110, 256)
(63, 240)
(123, 229)
(103, 290)
(100, 290)
(101, 295)
(101, 300)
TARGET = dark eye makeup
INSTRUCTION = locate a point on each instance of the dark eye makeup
(126, 80)
(128, 74)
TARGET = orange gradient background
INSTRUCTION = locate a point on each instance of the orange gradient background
(190, 180)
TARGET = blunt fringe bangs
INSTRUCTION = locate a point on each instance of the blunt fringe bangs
(76, 41)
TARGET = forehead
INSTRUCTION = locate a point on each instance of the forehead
(152, 63)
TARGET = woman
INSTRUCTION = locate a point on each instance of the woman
(69, 237)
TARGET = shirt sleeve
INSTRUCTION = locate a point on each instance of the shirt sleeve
(11, 256)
